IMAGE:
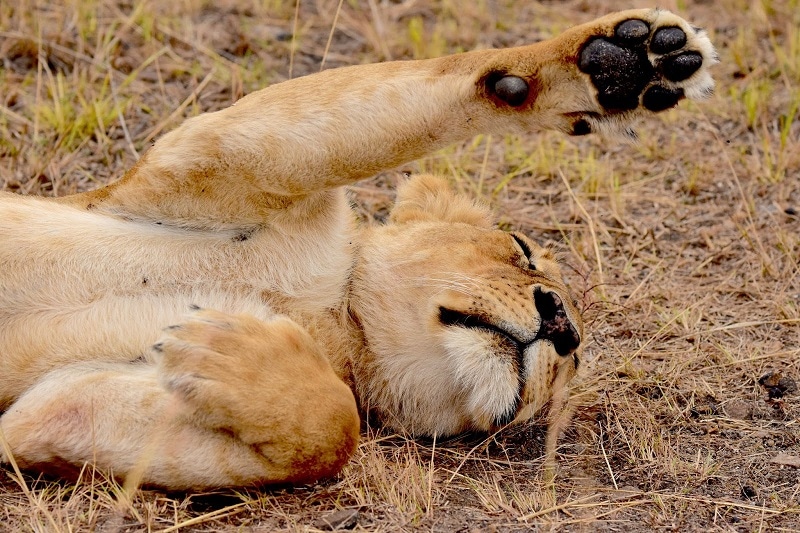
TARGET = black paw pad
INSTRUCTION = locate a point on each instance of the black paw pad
(668, 40)
(681, 66)
(658, 98)
(632, 31)
(619, 74)
(512, 90)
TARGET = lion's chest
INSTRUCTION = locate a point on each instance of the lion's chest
(79, 285)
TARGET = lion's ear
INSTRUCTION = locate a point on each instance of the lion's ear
(429, 198)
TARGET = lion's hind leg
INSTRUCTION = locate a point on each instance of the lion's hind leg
(101, 413)
(233, 402)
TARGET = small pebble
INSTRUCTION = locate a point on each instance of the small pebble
(344, 519)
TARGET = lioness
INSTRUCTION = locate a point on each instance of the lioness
(216, 317)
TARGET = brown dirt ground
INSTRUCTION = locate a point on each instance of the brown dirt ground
(684, 247)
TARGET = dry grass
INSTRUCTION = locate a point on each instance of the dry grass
(685, 248)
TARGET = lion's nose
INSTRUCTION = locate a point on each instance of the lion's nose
(556, 326)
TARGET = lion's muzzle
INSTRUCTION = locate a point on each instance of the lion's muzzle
(556, 325)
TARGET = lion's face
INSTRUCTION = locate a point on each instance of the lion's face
(467, 327)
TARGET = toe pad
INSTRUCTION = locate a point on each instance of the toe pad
(632, 32)
(666, 40)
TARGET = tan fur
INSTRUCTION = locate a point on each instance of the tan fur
(299, 313)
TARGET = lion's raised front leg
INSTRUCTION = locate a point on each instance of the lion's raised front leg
(276, 146)
(234, 401)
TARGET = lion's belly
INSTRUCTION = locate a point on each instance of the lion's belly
(75, 285)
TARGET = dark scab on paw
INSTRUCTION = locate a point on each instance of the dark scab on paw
(658, 98)
(633, 31)
(194, 307)
(513, 90)
(158, 347)
(667, 40)
(680, 67)
(581, 127)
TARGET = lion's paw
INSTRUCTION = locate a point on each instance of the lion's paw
(229, 370)
(647, 63)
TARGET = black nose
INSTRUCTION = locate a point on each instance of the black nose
(556, 326)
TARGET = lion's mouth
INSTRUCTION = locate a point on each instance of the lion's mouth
(451, 317)
(512, 343)
(555, 326)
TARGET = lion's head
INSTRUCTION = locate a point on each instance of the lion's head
(466, 327)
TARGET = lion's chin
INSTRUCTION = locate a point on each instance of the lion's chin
(499, 389)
